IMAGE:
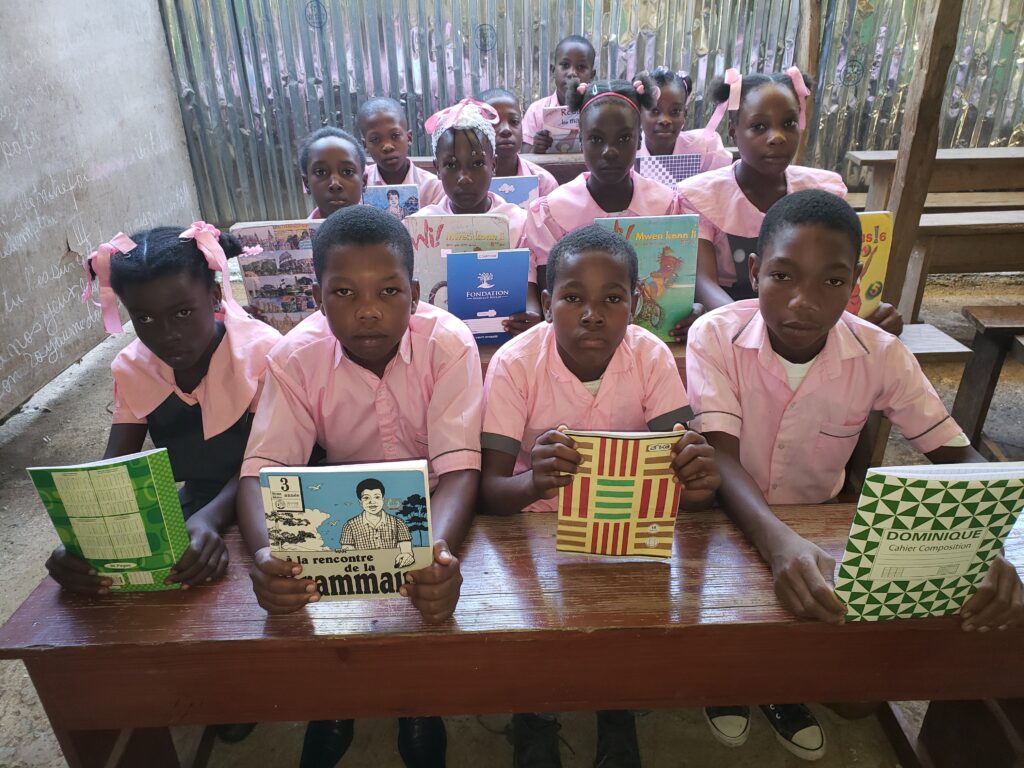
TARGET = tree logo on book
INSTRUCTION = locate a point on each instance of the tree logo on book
(485, 280)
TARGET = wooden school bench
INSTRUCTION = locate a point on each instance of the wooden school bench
(535, 630)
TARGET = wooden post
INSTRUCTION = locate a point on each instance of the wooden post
(808, 52)
(919, 138)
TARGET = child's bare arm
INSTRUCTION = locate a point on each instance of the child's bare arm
(554, 463)
(955, 455)
(708, 292)
(695, 468)
(125, 439)
(206, 558)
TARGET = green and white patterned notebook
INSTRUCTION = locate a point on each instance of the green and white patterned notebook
(121, 515)
(924, 536)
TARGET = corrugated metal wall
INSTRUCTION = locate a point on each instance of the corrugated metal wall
(254, 76)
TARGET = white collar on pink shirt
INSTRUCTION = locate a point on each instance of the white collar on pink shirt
(648, 195)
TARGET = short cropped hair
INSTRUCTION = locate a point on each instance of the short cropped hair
(378, 104)
(369, 484)
(497, 93)
(592, 237)
(323, 133)
(361, 225)
(578, 40)
(811, 207)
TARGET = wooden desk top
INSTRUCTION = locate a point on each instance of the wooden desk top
(995, 155)
(996, 318)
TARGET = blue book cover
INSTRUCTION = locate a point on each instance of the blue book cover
(666, 249)
(485, 287)
(400, 200)
(355, 529)
(518, 190)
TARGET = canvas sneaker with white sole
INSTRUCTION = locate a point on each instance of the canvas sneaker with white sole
(729, 725)
(797, 729)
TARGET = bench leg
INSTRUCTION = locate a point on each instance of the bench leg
(152, 747)
(965, 734)
(974, 395)
(879, 187)
(914, 282)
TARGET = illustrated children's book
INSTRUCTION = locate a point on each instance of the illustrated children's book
(666, 249)
(121, 515)
(564, 127)
(485, 287)
(923, 537)
(622, 500)
(279, 281)
(400, 200)
(668, 169)
(355, 529)
(434, 236)
(518, 190)
(874, 259)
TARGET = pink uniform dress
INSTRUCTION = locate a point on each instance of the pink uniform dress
(429, 185)
(795, 445)
(713, 153)
(204, 430)
(732, 223)
(546, 183)
(533, 120)
(426, 406)
(571, 206)
(528, 390)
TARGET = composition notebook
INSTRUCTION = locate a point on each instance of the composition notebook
(923, 537)
(120, 515)
(622, 500)
(876, 228)
(355, 529)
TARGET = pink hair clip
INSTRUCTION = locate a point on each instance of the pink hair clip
(734, 80)
(582, 88)
(802, 92)
(98, 263)
(207, 239)
(443, 118)
(638, 87)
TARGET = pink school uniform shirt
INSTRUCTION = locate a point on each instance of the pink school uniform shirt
(546, 183)
(795, 445)
(426, 406)
(730, 221)
(232, 385)
(571, 206)
(713, 153)
(533, 120)
(428, 184)
(528, 390)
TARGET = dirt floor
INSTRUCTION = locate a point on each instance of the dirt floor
(68, 422)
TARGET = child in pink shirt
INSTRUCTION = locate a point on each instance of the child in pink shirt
(586, 367)
(374, 375)
(610, 128)
(574, 58)
(509, 133)
(386, 136)
(332, 164)
(782, 386)
(663, 125)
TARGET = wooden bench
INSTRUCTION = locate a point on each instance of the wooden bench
(535, 630)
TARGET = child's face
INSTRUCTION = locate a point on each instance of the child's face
(509, 129)
(173, 316)
(590, 307)
(609, 132)
(387, 138)
(663, 123)
(465, 166)
(367, 296)
(804, 282)
(571, 59)
(767, 128)
(333, 175)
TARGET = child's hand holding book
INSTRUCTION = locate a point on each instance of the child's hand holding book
(434, 591)
(999, 601)
(801, 571)
(555, 460)
(75, 574)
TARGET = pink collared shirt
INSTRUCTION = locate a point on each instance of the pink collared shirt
(529, 390)
(533, 120)
(571, 206)
(724, 210)
(427, 405)
(795, 445)
(713, 153)
(546, 183)
(428, 184)
(232, 385)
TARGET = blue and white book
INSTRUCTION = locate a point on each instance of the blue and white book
(400, 200)
(485, 287)
(669, 169)
(518, 190)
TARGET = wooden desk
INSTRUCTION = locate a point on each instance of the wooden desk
(535, 630)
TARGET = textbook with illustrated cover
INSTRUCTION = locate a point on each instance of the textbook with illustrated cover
(874, 258)
(622, 500)
(434, 236)
(518, 190)
(666, 249)
(355, 529)
(668, 169)
(485, 287)
(120, 515)
(923, 537)
(279, 281)
(400, 200)
(564, 127)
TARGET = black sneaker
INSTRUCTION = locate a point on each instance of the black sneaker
(325, 742)
(422, 742)
(232, 733)
(535, 741)
(729, 725)
(616, 740)
(797, 729)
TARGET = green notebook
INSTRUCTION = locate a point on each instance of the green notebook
(121, 515)
(924, 536)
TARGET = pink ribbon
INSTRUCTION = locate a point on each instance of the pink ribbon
(207, 241)
(98, 263)
(734, 80)
(449, 115)
(802, 92)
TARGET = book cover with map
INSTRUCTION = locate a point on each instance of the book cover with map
(923, 537)
(518, 190)
(622, 500)
(876, 227)
(355, 529)
(666, 249)
(400, 200)
(122, 516)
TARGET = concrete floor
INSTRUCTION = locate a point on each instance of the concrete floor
(69, 419)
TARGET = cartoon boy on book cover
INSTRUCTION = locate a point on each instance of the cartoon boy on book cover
(374, 528)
